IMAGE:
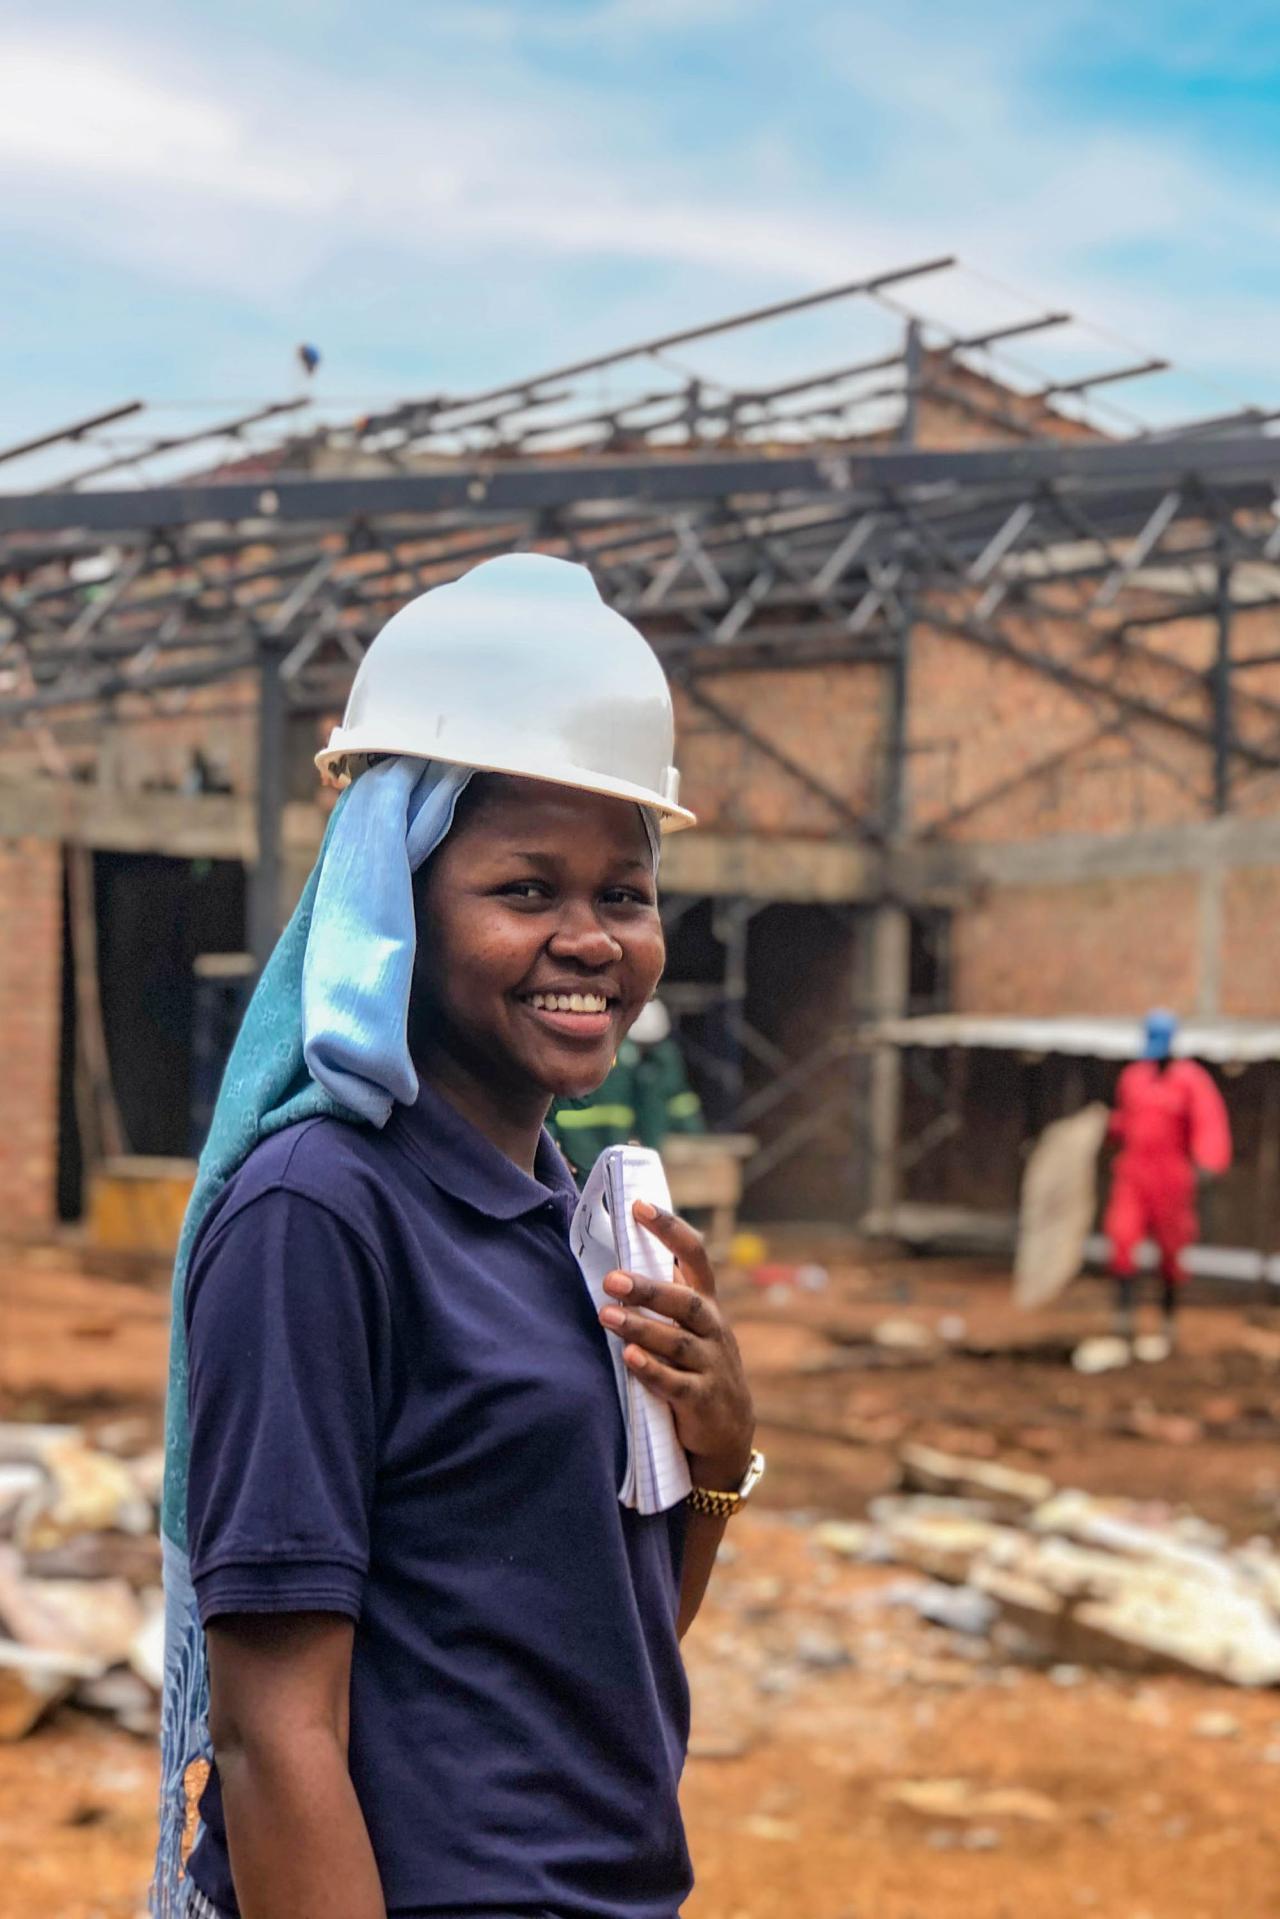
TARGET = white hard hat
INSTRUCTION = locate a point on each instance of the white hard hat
(517, 667)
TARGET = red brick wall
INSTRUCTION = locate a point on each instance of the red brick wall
(1112, 946)
(30, 1019)
(827, 719)
(961, 408)
(979, 724)
(979, 727)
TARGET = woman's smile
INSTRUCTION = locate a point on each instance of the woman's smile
(585, 1013)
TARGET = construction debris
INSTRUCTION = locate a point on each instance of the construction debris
(32, 1682)
(95, 1617)
(848, 1537)
(1107, 1353)
(961, 1800)
(80, 1606)
(1000, 1557)
(904, 1336)
(81, 1491)
(928, 1470)
(1072, 1580)
(122, 1696)
(1216, 1725)
(19, 1479)
(961, 1609)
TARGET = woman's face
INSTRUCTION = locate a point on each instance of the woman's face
(540, 937)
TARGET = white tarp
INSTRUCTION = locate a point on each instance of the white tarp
(1059, 1200)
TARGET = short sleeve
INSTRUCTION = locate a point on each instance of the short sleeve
(288, 1342)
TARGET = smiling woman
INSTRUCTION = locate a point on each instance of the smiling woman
(443, 1655)
(545, 945)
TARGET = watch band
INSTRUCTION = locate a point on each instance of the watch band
(722, 1505)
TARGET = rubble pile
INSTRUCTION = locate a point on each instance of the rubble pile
(81, 1610)
(1067, 1579)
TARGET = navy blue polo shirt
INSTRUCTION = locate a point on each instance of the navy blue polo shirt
(403, 1410)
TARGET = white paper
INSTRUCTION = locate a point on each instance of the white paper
(605, 1236)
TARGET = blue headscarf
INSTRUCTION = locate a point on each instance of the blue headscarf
(326, 1032)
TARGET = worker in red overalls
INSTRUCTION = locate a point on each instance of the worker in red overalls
(1171, 1126)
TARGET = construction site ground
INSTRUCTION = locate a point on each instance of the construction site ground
(849, 1760)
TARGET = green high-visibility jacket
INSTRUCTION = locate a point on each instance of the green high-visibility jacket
(645, 1097)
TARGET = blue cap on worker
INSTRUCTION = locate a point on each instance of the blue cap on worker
(1159, 1033)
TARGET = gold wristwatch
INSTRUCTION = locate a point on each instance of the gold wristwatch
(719, 1505)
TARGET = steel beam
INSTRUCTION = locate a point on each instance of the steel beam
(76, 431)
(1114, 472)
(663, 342)
(174, 442)
(1110, 378)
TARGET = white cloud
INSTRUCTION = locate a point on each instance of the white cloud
(335, 166)
(97, 121)
(252, 180)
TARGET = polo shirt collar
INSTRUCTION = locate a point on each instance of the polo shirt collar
(469, 1167)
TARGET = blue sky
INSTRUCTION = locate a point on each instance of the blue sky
(442, 195)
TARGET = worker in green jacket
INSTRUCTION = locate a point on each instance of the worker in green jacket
(646, 1096)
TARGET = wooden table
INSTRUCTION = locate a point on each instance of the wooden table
(704, 1171)
(136, 1204)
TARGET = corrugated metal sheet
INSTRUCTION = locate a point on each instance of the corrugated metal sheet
(1222, 1041)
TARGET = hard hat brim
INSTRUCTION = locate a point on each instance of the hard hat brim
(341, 760)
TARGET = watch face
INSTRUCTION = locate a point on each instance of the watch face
(755, 1473)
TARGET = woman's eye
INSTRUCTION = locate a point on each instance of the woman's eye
(626, 896)
(526, 890)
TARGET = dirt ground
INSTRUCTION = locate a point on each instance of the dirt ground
(849, 1761)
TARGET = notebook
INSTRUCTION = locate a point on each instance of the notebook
(605, 1236)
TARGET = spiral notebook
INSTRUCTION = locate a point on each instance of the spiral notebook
(605, 1236)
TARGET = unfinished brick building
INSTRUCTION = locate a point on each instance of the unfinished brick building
(979, 709)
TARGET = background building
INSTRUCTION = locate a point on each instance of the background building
(979, 708)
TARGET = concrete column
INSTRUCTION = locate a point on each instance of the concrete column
(888, 980)
(1209, 939)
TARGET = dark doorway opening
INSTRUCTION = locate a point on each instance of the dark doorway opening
(772, 1058)
(154, 916)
